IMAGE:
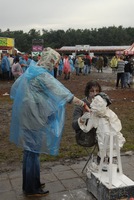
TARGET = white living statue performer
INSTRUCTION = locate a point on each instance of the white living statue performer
(104, 120)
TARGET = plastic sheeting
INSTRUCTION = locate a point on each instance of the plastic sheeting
(105, 121)
(38, 112)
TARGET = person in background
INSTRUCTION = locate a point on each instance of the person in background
(120, 72)
(11, 59)
(16, 57)
(5, 66)
(39, 104)
(29, 60)
(71, 64)
(0, 67)
(16, 69)
(60, 67)
(66, 67)
(114, 62)
(76, 65)
(23, 62)
(55, 70)
(105, 60)
(81, 63)
(87, 64)
(100, 63)
(128, 71)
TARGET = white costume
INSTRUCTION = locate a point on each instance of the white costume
(105, 121)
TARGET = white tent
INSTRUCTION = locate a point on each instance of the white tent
(17, 50)
(130, 50)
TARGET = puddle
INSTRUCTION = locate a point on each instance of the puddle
(107, 88)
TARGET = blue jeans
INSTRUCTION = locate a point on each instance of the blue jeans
(120, 77)
(86, 69)
(77, 70)
(31, 172)
(127, 78)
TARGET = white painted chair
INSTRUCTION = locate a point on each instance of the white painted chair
(109, 141)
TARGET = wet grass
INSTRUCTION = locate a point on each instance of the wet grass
(122, 105)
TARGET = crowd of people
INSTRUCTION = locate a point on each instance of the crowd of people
(11, 67)
(123, 66)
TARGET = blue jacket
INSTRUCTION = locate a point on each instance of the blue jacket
(5, 64)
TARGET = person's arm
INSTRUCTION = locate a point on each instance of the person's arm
(78, 112)
(80, 120)
(81, 103)
(59, 91)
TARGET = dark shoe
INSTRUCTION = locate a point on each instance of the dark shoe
(40, 193)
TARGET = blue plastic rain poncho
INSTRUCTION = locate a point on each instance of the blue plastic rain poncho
(38, 111)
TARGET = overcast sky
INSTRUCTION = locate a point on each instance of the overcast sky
(64, 14)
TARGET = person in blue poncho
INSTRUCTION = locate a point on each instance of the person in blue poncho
(5, 66)
(38, 116)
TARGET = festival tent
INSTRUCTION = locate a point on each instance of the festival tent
(17, 51)
(130, 50)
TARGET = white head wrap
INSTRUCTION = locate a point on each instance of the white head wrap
(99, 105)
(49, 58)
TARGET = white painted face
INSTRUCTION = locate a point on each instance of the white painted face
(98, 105)
(93, 91)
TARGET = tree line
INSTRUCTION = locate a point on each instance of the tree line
(105, 36)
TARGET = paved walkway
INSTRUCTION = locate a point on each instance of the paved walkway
(65, 181)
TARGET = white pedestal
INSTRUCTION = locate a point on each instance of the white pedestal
(98, 185)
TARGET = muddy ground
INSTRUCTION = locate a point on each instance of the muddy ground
(122, 105)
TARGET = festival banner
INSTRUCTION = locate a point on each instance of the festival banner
(6, 42)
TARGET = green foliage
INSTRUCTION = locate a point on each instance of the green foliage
(105, 36)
